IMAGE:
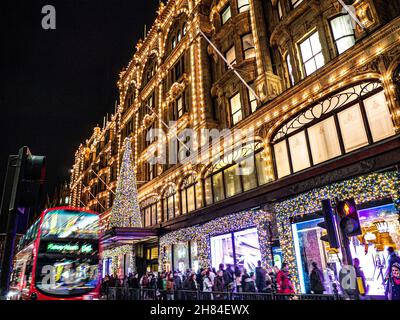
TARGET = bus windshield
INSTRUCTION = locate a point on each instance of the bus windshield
(68, 253)
(62, 224)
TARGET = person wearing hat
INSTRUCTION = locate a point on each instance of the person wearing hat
(394, 283)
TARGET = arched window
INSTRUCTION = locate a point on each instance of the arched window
(239, 171)
(188, 194)
(149, 70)
(344, 122)
(177, 33)
(169, 200)
(149, 211)
(343, 32)
(130, 96)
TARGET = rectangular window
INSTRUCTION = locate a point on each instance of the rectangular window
(311, 53)
(253, 99)
(248, 46)
(226, 14)
(221, 250)
(230, 56)
(181, 256)
(352, 128)
(247, 249)
(171, 208)
(343, 32)
(208, 191)
(249, 174)
(148, 217)
(236, 109)
(154, 214)
(243, 5)
(290, 69)
(379, 119)
(299, 151)
(191, 198)
(282, 159)
(324, 141)
(262, 169)
(184, 202)
(218, 187)
(179, 107)
(232, 181)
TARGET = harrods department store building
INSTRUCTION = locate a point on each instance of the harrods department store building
(327, 125)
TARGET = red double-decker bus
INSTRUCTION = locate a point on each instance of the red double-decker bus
(58, 258)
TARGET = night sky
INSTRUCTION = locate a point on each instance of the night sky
(56, 85)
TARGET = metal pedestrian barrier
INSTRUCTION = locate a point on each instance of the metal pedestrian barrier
(125, 293)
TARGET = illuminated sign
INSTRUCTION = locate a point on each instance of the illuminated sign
(74, 247)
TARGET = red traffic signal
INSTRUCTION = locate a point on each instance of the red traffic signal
(349, 219)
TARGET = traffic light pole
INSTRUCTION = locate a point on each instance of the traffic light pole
(8, 206)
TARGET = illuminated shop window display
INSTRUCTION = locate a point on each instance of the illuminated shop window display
(381, 229)
(194, 255)
(181, 256)
(241, 249)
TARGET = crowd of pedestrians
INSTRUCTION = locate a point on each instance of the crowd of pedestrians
(212, 284)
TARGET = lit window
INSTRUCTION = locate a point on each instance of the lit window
(352, 128)
(236, 109)
(243, 5)
(253, 99)
(232, 181)
(179, 107)
(248, 46)
(230, 56)
(226, 15)
(290, 70)
(299, 151)
(311, 53)
(295, 3)
(249, 174)
(262, 169)
(324, 141)
(280, 10)
(178, 37)
(173, 43)
(184, 29)
(282, 159)
(218, 187)
(188, 195)
(343, 32)
(379, 119)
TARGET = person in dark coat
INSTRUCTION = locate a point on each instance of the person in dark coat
(219, 285)
(261, 277)
(316, 280)
(190, 284)
(229, 278)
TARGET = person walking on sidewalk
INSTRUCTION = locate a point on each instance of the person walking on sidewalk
(283, 280)
(261, 278)
(316, 280)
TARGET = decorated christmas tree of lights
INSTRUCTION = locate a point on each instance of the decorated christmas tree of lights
(125, 212)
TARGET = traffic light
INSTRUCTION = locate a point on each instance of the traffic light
(31, 178)
(349, 219)
(329, 224)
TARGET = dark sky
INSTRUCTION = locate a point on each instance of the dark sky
(56, 85)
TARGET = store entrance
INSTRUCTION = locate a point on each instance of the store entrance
(381, 229)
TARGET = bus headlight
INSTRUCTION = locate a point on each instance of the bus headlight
(33, 296)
